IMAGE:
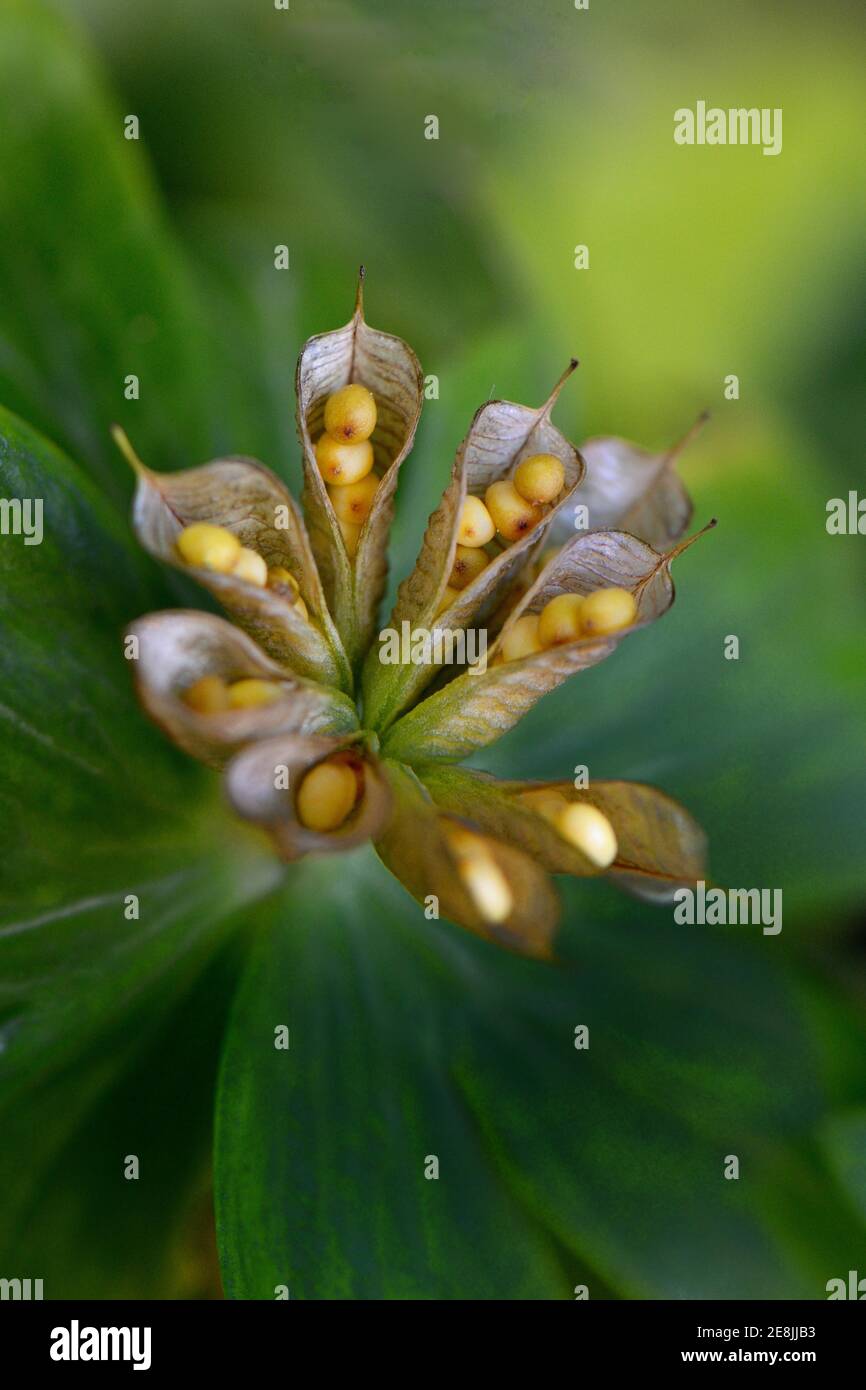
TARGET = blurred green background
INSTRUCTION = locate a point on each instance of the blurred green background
(305, 127)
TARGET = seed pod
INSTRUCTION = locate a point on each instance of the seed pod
(388, 368)
(500, 436)
(475, 708)
(256, 785)
(180, 651)
(253, 504)
(418, 847)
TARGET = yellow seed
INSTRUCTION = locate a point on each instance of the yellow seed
(250, 567)
(279, 577)
(252, 692)
(351, 533)
(540, 478)
(326, 796)
(560, 620)
(353, 502)
(301, 609)
(208, 695)
(607, 610)
(341, 463)
(476, 524)
(350, 413)
(522, 639)
(547, 803)
(448, 597)
(512, 515)
(589, 830)
(208, 547)
(481, 875)
(469, 561)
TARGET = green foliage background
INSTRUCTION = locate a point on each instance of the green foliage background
(305, 127)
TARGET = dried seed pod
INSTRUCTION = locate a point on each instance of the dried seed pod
(387, 367)
(475, 709)
(251, 503)
(419, 849)
(500, 436)
(184, 651)
(660, 847)
(264, 781)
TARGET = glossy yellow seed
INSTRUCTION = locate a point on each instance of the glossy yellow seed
(607, 610)
(279, 577)
(476, 524)
(341, 463)
(301, 609)
(449, 596)
(560, 620)
(252, 692)
(208, 547)
(512, 515)
(351, 533)
(353, 502)
(540, 478)
(208, 695)
(350, 413)
(522, 639)
(250, 567)
(469, 562)
(326, 796)
(589, 830)
(481, 875)
(547, 803)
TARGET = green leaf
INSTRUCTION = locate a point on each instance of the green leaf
(557, 1165)
(92, 290)
(95, 804)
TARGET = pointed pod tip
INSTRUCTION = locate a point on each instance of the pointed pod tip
(552, 398)
(359, 292)
(683, 545)
(121, 439)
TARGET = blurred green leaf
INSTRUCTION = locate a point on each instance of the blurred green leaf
(409, 1039)
(95, 804)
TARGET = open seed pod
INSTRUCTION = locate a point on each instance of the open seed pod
(476, 708)
(247, 499)
(660, 847)
(263, 781)
(389, 368)
(418, 846)
(500, 436)
(178, 648)
(627, 488)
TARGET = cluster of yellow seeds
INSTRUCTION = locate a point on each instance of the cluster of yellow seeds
(215, 548)
(511, 507)
(213, 695)
(345, 458)
(566, 618)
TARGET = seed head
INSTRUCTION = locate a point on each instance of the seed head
(341, 463)
(209, 547)
(560, 620)
(469, 561)
(251, 693)
(476, 524)
(512, 515)
(540, 478)
(327, 795)
(350, 414)
(607, 610)
(353, 502)
(208, 695)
